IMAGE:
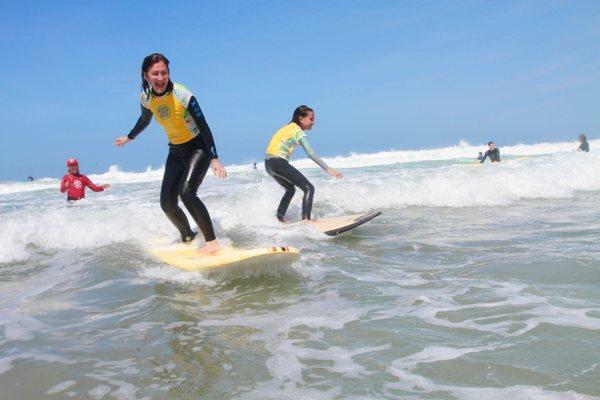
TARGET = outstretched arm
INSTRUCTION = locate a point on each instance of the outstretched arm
(313, 156)
(93, 186)
(141, 124)
(311, 153)
(196, 112)
(484, 157)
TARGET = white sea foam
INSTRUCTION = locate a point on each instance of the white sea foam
(87, 225)
(409, 381)
(123, 214)
(18, 187)
(61, 387)
(463, 149)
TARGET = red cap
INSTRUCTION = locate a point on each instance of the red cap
(71, 162)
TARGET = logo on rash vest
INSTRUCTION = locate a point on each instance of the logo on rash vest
(163, 112)
(77, 184)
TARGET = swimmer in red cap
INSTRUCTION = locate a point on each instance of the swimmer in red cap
(74, 183)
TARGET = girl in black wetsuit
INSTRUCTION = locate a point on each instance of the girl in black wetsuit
(191, 148)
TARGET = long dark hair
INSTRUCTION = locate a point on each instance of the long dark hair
(582, 138)
(300, 112)
(148, 62)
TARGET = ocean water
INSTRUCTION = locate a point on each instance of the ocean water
(476, 282)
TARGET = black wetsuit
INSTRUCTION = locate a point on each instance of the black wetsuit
(494, 155)
(186, 166)
(289, 177)
(584, 146)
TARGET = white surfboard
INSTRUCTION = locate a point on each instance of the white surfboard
(479, 164)
(336, 225)
(466, 160)
(189, 259)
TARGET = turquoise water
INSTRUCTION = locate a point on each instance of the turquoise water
(474, 283)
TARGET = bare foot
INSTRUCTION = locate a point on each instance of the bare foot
(211, 248)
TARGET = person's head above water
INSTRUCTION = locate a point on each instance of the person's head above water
(582, 138)
(155, 74)
(304, 117)
(491, 145)
(481, 153)
(72, 166)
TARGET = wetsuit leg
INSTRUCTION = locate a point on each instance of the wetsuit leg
(283, 169)
(196, 165)
(169, 191)
(289, 188)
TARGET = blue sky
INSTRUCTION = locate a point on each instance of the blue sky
(380, 74)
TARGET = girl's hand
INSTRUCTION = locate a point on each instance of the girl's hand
(105, 186)
(218, 169)
(120, 141)
(334, 173)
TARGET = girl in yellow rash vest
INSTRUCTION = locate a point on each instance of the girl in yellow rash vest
(191, 148)
(280, 148)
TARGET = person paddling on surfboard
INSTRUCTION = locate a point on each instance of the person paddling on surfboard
(280, 148)
(74, 183)
(191, 148)
(493, 153)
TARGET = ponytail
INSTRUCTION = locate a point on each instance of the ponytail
(300, 112)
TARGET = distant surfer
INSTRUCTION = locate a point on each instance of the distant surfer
(583, 144)
(74, 183)
(480, 156)
(192, 148)
(280, 148)
(493, 153)
(30, 178)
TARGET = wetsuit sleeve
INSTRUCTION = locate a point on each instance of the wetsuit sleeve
(196, 112)
(498, 154)
(311, 153)
(142, 123)
(484, 157)
(92, 186)
(63, 182)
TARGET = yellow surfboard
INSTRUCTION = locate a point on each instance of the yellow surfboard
(189, 259)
